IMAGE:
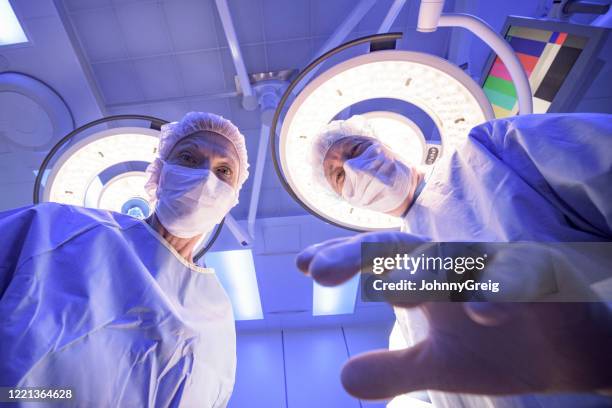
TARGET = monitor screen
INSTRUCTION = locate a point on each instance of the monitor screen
(546, 56)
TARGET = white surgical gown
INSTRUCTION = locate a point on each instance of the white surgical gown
(526, 178)
(100, 303)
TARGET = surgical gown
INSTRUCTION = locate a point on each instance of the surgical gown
(527, 178)
(98, 302)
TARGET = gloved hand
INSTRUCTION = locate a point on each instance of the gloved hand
(481, 348)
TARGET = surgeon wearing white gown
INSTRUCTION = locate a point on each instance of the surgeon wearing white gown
(537, 178)
(112, 307)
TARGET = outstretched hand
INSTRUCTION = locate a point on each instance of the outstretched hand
(480, 348)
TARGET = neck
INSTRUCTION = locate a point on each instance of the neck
(417, 177)
(184, 246)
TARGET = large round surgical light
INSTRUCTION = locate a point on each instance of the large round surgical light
(105, 169)
(453, 101)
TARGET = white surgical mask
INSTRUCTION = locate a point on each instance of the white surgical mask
(375, 181)
(192, 201)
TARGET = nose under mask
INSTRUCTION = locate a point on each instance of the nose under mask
(375, 181)
(192, 201)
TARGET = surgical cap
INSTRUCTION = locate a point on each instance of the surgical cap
(172, 133)
(336, 130)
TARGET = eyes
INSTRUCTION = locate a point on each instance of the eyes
(338, 174)
(188, 159)
(224, 172)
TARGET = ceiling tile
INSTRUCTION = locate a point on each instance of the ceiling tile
(328, 15)
(281, 286)
(269, 205)
(158, 77)
(288, 206)
(286, 19)
(373, 19)
(202, 72)
(131, 109)
(247, 19)
(435, 43)
(33, 9)
(252, 143)
(15, 195)
(241, 210)
(99, 33)
(289, 243)
(170, 111)
(243, 118)
(270, 180)
(289, 54)
(191, 24)
(73, 5)
(117, 82)
(144, 28)
(217, 106)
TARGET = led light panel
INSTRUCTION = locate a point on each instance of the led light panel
(236, 272)
(334, 300)
(75, 180)
(453, 100)
(11, 31)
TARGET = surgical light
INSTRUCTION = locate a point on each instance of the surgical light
(453, 101)
(105, 169)
(11, 31)
(236, 272)
(334, 300)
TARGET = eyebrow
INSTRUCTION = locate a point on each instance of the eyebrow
(215, 150)
(185, 144)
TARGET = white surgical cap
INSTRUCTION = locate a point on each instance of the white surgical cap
(356, 125)
(172, 133)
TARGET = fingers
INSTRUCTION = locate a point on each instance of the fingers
(488, 314)
(334, 262)
(304, 258)
(384, 374)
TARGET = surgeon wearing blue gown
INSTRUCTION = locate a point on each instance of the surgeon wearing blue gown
(113, 307)
(536, 178)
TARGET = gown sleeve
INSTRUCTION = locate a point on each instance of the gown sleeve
(27, 231)
(14, 226)
(565, 157)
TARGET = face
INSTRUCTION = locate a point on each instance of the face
(341, 151)
(208, 150)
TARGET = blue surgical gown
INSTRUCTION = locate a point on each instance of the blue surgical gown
(98, 302)
(527, 178)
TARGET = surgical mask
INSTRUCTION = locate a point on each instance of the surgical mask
(375, 181)
(192, 201)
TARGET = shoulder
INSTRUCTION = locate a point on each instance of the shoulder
(549, 124)
(64, 215)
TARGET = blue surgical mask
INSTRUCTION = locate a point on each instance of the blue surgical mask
(376, 181)
(192, 201)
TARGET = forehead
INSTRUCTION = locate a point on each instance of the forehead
(208, 142)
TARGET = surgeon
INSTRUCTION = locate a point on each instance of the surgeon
(112, 309)
(538, 178)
